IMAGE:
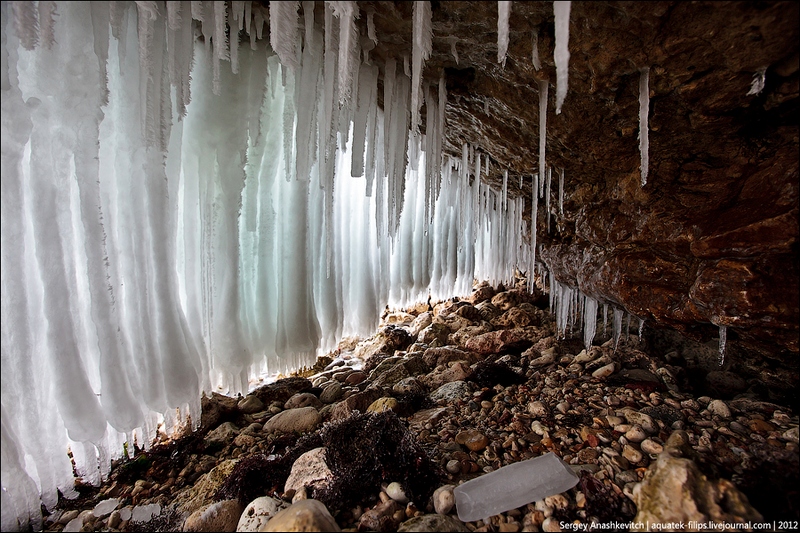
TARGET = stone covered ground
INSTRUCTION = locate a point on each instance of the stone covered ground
(376, 436)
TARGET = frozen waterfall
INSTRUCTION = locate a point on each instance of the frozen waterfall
(162, 239)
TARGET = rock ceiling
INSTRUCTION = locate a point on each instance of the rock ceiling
(712, 238)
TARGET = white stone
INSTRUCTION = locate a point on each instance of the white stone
(443, 499)
(258, 512)
(396, 492)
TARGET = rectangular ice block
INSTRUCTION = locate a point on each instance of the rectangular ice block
(513, 486)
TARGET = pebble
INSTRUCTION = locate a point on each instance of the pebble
(551, 524)
(602, 372)
(396, 492)
(444, 499)
(635, 434)
(651, 446)
(719, 408)
(473, 439)
(537, 409)
(632, 454)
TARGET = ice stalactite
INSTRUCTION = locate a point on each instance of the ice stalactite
(283, 26)
(723, 338)
(543, 89)
(503, 14)
(589, 321)
(644, 128)
(347, 12)
(758, 84)
(537, 62)
(547, 196)
(453, 49)
(618, 316)
(561, 192)
(421, 52)
(561, 11)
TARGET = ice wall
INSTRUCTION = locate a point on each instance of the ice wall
(162, 238)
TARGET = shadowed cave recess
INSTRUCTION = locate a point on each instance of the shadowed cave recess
(199, 195)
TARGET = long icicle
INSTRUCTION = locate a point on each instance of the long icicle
(561, 53)
(644, 110)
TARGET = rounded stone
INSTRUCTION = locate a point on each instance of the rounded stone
(651, 446)
(387, 403)
(250, 404)
(632, 454)
(258, 513)
(453, 466)
(302, 399)
(537, 409)
(409, 385)
(602, 372)
(220, 516)
(719, 408)
(305, 515)
(550, 524)
(444, 499)
(298, 420)
(450, 392)
(635, 433)
(331, 393)
(396, 492)
(355, 378)
(473, 439)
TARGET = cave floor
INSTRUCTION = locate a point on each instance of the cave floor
(473, 400)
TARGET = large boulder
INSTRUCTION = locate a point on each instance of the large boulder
(674, 490)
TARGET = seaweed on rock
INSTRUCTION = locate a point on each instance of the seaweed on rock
(262, 474)
(365, 449)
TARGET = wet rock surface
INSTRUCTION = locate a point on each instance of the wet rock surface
(630, 439)
(712, 238)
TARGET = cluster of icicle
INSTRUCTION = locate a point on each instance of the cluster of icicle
(575, 311)
(161, 238)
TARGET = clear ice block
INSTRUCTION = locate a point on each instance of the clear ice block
(513, 486)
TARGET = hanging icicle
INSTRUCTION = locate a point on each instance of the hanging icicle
(421, 52)
(723, 338)
(543, 88)
(561, 54)
(537, 63)
(503, 14)
(644, 128)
